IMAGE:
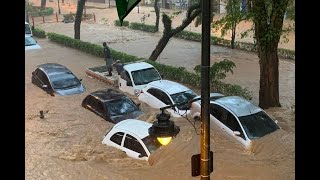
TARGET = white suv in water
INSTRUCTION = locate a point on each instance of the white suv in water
(136, 76)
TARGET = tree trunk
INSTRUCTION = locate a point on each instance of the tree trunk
(77, 21)
(157, 10)
(160, 47)
(268, 28)
(233, 36)
(168, 32)
(43, 4)
(269, 77)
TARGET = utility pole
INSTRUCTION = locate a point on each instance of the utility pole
(205, 90)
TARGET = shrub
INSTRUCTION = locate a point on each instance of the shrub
(36, 11)
(143, 27)
(39, 33)
(173, 73)
(124, 23)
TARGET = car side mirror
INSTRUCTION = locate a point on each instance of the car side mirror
(142, 155)
(162, 76)
(44, 86)
(236, 133)
(276, 121)
(129, 83)
(80, 79)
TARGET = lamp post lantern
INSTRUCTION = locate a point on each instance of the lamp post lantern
(164, 129)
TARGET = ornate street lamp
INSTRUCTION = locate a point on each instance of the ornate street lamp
(164, 129)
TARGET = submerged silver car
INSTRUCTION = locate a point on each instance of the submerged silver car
(56, 79)
(237, 118)
(30, 43)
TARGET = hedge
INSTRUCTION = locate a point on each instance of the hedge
(39, 33)
(124, 23)
(143, 27)
(193, 36)
(37, 11)
(173, 73)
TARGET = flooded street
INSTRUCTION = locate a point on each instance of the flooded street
(66, 144)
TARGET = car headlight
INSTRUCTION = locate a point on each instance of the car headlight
(137, 92)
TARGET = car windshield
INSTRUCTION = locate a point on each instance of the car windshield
(27, 29)
(64, 80)
(29, 41)
(151, 143)
(183, 97)
(145, 76)
(258, 124)
(121, 106)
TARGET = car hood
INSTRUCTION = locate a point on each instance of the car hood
(36, 46)
(131, 115)
(75, 90)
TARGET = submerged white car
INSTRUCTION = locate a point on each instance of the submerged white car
(237, 117)
(132, 137)
(30, 43)
(158, 94)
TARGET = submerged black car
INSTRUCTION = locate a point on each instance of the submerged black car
(56, 79)
(111, 105)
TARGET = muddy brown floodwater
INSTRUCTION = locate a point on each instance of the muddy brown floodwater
(66, 144)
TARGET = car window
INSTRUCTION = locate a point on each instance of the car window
(162, 96)
(99, 107)
(29, 41)
(64, 80)
(43, 77)
(117, 138)
(121, 106)
(133, 144)
(226, 118)
(234, 125)
(258, 124)
(144, 76)
(182, 97)
(96, 104)
(125, 75)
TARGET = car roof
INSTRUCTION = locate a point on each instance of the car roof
(53, 68)
(238, 105)
(134, 126)
(137, 66)
(212, 97)
(170, 87)
(107, 94)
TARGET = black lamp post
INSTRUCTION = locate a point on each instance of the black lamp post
(164, 129)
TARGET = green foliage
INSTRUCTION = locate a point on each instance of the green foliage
(193, 36)
(36, 11)
(218, 70)
(175, 74)
(143, 27)
(39, 33)
(229, 22)
(124, 23)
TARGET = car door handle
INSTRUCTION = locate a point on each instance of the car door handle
(223, 129)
